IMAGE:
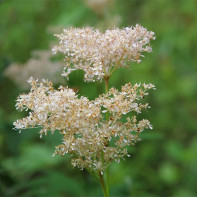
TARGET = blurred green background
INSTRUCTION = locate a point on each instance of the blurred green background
(164, 163)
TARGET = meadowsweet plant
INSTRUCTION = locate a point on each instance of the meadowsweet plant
(97, 132)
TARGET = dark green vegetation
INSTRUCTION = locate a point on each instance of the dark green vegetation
(164, 162)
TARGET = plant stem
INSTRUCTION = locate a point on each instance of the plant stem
(106, 90)
(102, 181)
(107, 119)
(107, 180)
(106, 84)
(116, 66)
(104, 177)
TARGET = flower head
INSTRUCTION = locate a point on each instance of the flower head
(99, 54)
(39, 66)
(92, 141)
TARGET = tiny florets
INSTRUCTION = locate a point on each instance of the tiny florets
(92, 141)
(98, 54)
(94, 132)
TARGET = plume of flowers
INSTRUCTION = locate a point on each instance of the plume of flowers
(98, 54)
(91, 140)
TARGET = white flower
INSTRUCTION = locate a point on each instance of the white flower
(99, 53)
(87, 136)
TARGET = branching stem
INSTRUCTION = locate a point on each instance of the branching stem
(107, 119)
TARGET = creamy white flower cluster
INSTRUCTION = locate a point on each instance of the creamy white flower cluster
(92, 141)
(99, 54)
(39, 66)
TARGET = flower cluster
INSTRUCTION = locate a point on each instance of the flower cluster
(39, 66)
(92, 141)
(94, 132)
(99, 54)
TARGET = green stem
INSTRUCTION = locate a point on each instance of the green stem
(107, 180)
(106, 84)
(106, 90)
(94, 174)
(102, 181)
(104, 178)
(116, 66)
(107, 119)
